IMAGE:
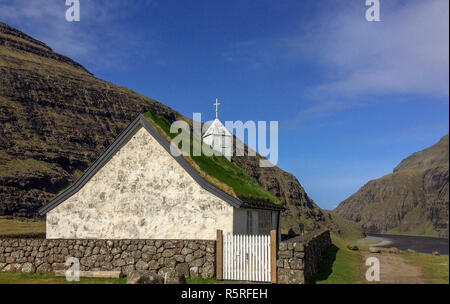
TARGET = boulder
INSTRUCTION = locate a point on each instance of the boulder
(394, 250)
(145, 277)
(436, 253)
(353, 247)
(411, 251)
(174, 277)
(28, 267)
(374, 250)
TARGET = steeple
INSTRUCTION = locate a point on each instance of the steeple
(218, 137)
(217, 108)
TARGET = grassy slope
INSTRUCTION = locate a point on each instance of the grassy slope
(21, 226)
(341, 265)
(426, 229)
(435, 268)
(218, 170)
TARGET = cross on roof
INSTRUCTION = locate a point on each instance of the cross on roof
(217, 107)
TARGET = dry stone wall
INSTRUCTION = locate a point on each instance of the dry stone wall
(192, 258)
(299, 258)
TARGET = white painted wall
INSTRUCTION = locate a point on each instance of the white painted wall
(141, 193)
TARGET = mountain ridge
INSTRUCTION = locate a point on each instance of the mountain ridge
(57, 118)
(413, 199)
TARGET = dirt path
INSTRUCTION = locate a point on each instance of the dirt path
(394, 270)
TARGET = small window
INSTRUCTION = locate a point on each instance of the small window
(249, 222)
(264, 222)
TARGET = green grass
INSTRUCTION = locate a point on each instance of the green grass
(17, 226)
(219, 168)
(340, 265)
(199, 280)
(435, 268)
(48, 278)
(427, 229)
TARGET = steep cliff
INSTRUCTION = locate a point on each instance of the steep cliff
(412, 200)
(57, 118)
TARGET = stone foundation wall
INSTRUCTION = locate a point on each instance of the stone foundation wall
(192, 258)
(298, 258)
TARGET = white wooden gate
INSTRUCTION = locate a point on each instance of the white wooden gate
(246, 258)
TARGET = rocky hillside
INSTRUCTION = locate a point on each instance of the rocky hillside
(412, 200)
(57, 118)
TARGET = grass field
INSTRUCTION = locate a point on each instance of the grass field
(17, 226)
(341, 265)
(435, 268)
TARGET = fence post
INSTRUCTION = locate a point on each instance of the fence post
(219, 255)
(273, 256)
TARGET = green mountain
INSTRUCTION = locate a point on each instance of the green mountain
(412, 200)
(57, 118)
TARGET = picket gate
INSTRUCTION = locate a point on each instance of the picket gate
(247, 257)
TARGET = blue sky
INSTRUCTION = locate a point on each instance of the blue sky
(353, 98)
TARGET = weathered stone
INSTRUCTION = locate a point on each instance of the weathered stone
(296, 264)
(285, 254)
(182, 268)
(144, 277)
(299, 247)
(119, 263)
(141, 265)
(168, 253)
(208, 270)
(127, 270)
(174, 277)
(394, 250)
(197, 263)
(12, 268)
(374, 250)
(193, 272)
(153, 265)
(28, 267)
(288, 276)
(436, 253)
(45, 267)
(179, 258)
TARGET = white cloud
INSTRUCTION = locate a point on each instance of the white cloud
(405, 53)
(99, 40)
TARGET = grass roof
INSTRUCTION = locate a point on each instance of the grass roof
(216, 169)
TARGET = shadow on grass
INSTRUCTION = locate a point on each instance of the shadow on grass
(326, 266)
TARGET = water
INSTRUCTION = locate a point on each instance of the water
(422, 244)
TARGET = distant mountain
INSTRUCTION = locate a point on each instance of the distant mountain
(412, 200)
(56, 118)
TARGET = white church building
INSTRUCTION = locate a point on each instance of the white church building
(138, 190)
(218, 137)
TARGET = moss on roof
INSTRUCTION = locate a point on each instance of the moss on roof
(217, 170)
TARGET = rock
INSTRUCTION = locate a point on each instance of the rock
(208, 270)
(436, 253)
(394, 250)
(183, 268)
(45, 267)
(141, 265)
(353, 247)
(144, 277)
(174, 277)
(28, 267)
(411, 251)
(374, 250)
(11, 268)
(193, 272)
